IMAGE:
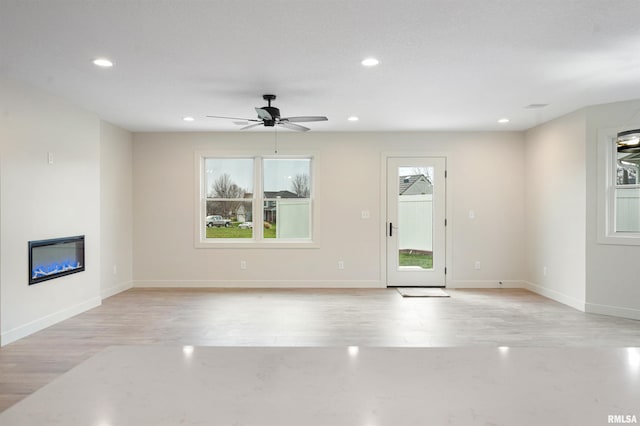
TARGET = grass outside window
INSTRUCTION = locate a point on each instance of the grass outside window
(422, 260)
(235, 232)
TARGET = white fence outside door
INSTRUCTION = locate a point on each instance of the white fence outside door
(415, 213)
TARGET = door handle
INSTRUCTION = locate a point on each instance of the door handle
(390, 229)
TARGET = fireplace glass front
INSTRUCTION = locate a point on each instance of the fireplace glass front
(49, 259)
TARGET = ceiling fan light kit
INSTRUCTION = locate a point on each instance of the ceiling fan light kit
(269, 116)
(628, 141)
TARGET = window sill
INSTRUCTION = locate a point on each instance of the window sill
(630, 239)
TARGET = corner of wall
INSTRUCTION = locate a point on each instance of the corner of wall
(556, 295)
(115, 289)
(116, 200)
(556, 209)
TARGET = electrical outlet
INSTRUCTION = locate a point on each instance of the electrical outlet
(476, 265)
(365, 214)
(243, 264)
(340, 264)
(50, 157)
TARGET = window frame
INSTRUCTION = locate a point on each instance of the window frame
(258, 240)
(608, 188)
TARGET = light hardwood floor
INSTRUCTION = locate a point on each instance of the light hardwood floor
(319, 317)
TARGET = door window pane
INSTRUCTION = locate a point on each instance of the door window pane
(415, 217)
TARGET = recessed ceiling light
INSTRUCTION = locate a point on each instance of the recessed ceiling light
(353, 118)
(536, 106)
(103, 62)
(188, 118)
(503, 120)
(370, 62)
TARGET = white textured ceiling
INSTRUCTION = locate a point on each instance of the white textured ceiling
(444, 65)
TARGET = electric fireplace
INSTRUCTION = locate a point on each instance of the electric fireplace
(49, 259)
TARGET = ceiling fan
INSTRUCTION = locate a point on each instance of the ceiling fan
(269, 116)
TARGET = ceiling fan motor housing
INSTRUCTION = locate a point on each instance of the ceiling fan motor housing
(275, 114)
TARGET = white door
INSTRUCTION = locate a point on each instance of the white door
(416, 221)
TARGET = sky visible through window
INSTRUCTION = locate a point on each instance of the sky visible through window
(278, 173)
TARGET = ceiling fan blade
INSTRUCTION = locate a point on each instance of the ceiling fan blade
(251, 125)
(263, 114)
(292, 126)
(232, 118)
(241, 123)
(304, 119)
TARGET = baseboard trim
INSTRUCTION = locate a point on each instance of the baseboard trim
(47, 321)
(484, 284)
(614, 311)
(113, 290)
(259, 284)
(556, 295)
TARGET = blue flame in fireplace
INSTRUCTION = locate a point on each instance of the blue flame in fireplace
(43, 270)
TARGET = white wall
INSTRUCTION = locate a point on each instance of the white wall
(613, 285)
(555, 202)
(116, 212)
(485, 174)
(40, 201)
